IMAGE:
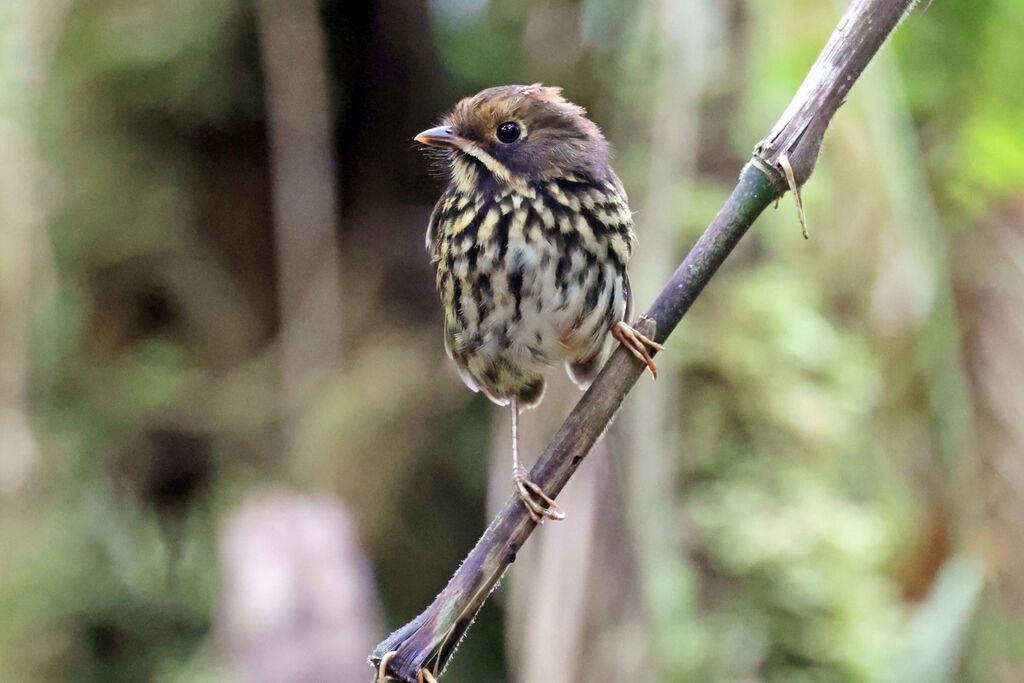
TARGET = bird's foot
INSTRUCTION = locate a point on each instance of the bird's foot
(537, 503)
(423, 676)
(382, 668)
(637, 343)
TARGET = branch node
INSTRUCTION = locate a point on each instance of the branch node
(759, 160)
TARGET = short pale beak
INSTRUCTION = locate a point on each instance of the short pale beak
(441, 136)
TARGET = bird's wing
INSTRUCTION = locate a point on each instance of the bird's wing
(583, 372)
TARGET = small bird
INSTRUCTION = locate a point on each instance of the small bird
(531, 240)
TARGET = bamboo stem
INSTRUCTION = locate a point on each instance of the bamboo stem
(427, 642)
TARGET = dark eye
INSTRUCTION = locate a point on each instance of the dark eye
(508, 132)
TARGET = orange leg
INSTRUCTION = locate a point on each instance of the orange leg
(637, 343)
(537, 503)
(383, 667)
(423, 676)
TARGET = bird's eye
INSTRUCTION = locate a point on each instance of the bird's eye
(508, 132)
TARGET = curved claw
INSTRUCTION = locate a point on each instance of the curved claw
(382, 668)
(637, 343)
(539, 504)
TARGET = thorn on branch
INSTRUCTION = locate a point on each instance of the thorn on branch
(787, 169)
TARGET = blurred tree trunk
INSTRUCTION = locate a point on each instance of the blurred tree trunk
(552, 595)
(684, 36)
(26, 265)
(304, 193)
(913, 298)
(990, 283)
(299, 603)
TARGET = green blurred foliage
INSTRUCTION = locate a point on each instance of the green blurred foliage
(826, 471)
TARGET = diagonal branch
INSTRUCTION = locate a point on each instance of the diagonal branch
(420, 650)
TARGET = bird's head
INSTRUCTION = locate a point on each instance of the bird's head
(517, 134)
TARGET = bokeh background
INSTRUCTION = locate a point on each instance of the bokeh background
(232, 448)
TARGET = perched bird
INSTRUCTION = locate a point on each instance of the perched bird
(531, 240)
